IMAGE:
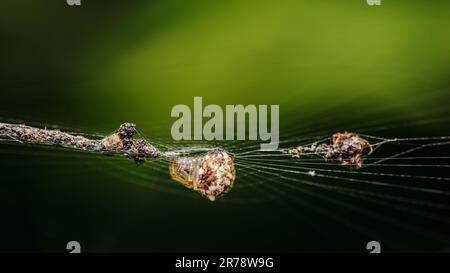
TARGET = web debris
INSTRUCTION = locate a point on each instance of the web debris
(348, 149)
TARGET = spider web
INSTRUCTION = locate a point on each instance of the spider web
(405, 178)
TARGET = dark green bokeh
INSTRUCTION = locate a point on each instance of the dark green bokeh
(330, 66)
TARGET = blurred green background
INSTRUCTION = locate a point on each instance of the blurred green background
(330, 65)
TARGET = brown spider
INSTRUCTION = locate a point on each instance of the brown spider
(348, 149)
